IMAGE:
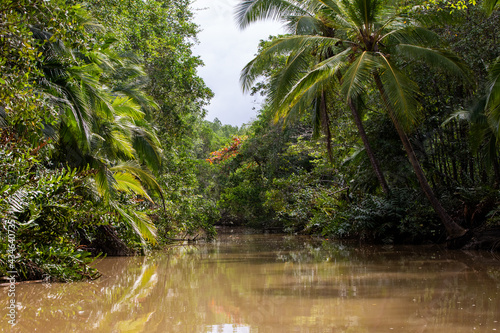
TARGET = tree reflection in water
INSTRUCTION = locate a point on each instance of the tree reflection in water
(274, 283)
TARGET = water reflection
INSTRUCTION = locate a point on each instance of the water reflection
(228, 328)
(273, 283)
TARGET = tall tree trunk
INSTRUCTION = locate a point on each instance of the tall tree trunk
(368, 149)
(496, 169)
(471, 169)
(452, 228)
(325, 124)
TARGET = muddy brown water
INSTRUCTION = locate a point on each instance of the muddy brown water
(252, 283)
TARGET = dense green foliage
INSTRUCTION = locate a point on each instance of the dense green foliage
(104, 149)
(284, 178)
(89, 96)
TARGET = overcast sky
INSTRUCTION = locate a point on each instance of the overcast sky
(225, 50)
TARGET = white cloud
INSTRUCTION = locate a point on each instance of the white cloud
(226, 49)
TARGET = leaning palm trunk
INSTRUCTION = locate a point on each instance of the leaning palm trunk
(452, 228)
(325, 124)
(368, 149)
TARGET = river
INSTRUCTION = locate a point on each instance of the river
(247, 282)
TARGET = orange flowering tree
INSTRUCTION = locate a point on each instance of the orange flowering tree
(228, 151)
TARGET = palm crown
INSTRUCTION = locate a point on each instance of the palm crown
(102, 125)
(354, 38)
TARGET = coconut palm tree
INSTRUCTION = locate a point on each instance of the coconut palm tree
(300, 19)
(102, 125)
(367, 41)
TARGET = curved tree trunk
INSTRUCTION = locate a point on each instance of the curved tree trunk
(452, 228)
(368, 149)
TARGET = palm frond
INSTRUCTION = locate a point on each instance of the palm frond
(301, 96)
(120, 145)
(145, 176)
(132, 91)
(336, 15)
(439, 59)
(304, 25)
(77, 116)
(146, 145)
(283, 46)
(480, 125)
(124, 106)
(493, 89)
(460, 115)
(300, 103)
(367, 11)
(104, 180)
(128, 183)
(83, 19)
(357, 75)
(400, 91)
(53, 50)
(139, 221)
(403, 31)
(18, 201)
(250, 11)
(284, 80)
(332, 5)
